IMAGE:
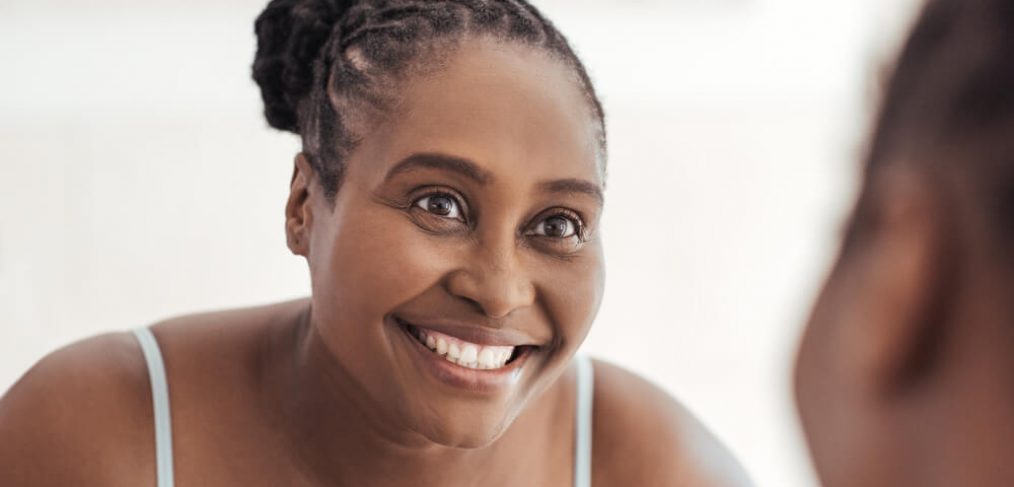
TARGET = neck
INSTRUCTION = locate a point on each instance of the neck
(340, 438)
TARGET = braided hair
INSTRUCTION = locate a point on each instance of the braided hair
(326, 67)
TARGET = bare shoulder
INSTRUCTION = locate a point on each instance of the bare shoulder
(83, 414)
(643, 436)
(78, 416)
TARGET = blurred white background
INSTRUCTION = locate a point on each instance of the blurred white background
(138, 180)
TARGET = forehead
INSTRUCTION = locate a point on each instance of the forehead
(513, 110)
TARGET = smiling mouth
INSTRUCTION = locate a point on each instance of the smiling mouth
(466, 354)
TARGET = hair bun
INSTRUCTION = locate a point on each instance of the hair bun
(290, 35)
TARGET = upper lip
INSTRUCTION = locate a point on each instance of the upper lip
(473, 332)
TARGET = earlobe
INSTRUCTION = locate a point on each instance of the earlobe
(298, 210)
(898, 279)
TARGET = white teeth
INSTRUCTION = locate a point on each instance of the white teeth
(486, 359)
(466, 354)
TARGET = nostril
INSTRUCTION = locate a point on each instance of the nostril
(475, 305)
(465, 287)
(493, 294)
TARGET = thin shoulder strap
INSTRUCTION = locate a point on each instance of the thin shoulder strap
(160, 401)
(583, 419)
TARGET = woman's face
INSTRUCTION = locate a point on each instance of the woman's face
(468, 220)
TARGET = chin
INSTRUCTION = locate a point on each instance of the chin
(471, 426)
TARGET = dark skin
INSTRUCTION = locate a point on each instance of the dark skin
(326, 390)
(904, 375)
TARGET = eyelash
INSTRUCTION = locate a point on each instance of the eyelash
(573, 218)
(458, 207)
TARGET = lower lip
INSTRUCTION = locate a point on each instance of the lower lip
(476, 380)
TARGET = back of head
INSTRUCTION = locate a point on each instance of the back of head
(905, 373)
(949, 104)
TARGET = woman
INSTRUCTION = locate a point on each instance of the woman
(906, 372)
(447, 201)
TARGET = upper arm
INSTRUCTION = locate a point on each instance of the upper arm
(642, 436)
(73, 417)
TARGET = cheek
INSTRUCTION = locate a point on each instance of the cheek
(806, 375)
(572, 292)
(375, 261)
(811, 374)
(827, 407)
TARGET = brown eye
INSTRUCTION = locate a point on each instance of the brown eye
(557, 226)
(441, 205)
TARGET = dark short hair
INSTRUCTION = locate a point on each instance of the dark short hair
(949, 101)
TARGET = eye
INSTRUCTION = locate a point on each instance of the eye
(557, 226)
(440, 204)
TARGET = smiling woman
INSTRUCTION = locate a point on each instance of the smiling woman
(447, 201)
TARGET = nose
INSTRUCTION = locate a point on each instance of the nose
(493, 281)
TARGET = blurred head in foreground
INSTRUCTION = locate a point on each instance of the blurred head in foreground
(906, 372)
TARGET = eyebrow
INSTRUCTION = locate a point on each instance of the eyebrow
(471, 170)
(445, 162)
(573, 186)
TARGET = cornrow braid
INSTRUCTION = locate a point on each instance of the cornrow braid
(326, 67)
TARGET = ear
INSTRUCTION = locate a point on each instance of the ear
(896, 280)
(298, 209)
